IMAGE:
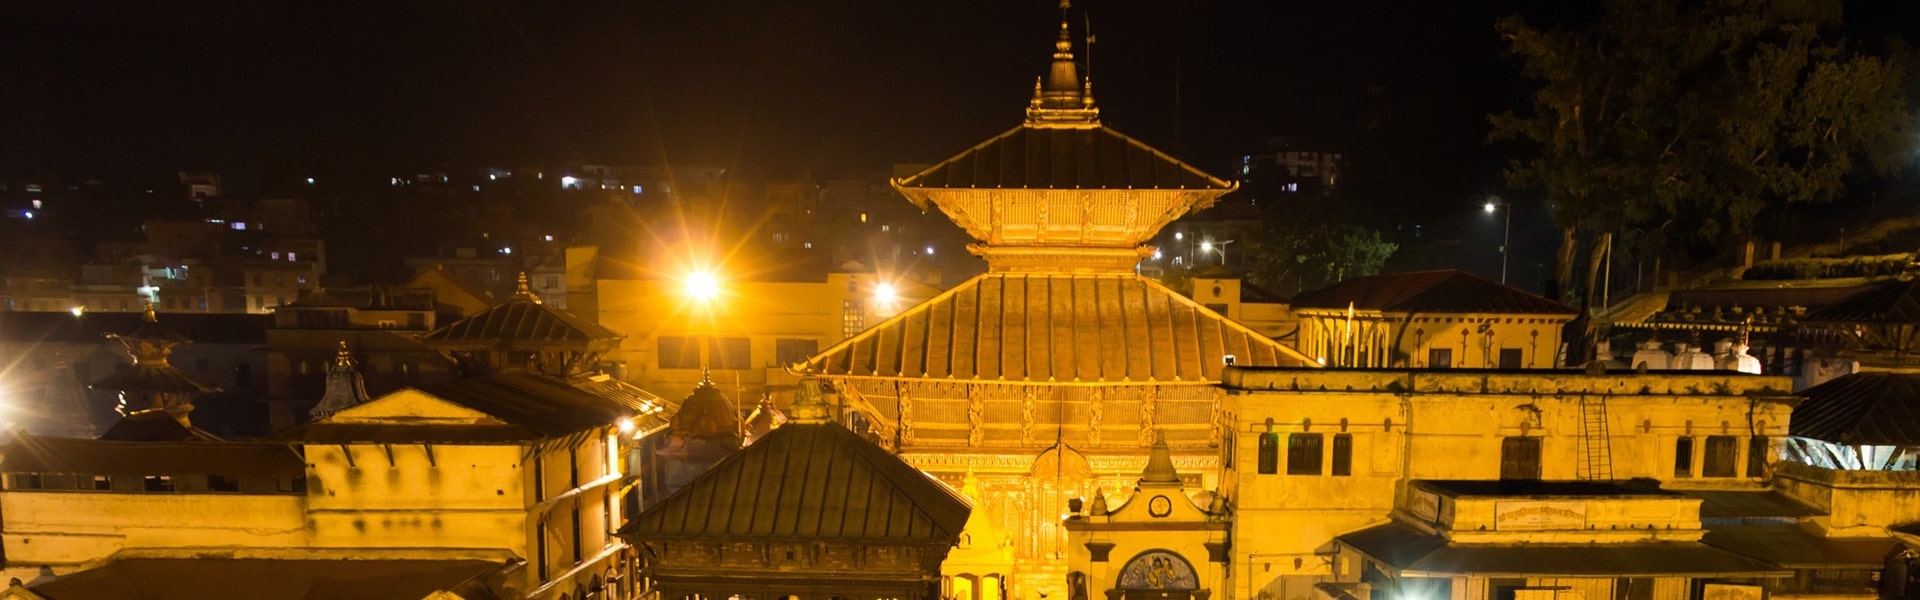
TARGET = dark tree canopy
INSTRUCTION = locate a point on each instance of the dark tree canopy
(1684, 123)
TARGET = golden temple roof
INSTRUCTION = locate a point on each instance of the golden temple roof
(1106, 328)
(808, 481)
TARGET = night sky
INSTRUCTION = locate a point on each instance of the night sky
(774, 88)
(274, 90)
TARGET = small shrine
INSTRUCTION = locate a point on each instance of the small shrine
(1158, 543)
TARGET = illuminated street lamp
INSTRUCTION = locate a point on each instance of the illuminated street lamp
(1494, 204)
(883, 293)
(702, 286)
(1208, 246)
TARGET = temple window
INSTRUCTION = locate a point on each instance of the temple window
(1342, 454)
(1304, 452)
(1520, 458)
(1269, 453)
(1722, 453)
(1683, 457)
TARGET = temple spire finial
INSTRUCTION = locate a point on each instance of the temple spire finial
(1060, 97)
(524, 291)
(150, 317)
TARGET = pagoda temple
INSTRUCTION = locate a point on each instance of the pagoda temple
(1045, 375)
(152, 382)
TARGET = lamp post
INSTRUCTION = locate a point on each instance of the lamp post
(1495, 204)
(1209, 246)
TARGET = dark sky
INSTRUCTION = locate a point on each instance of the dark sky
(771, 86)
(777, 87)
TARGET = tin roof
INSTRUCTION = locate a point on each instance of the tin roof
(1893, 301)
(1040, 327)
(1417, 553)
(549, 405)
(92, 326)
(519, 323)
(808, 481)
(33, 454)
(1449, 291)
(526, 406)
(153, 378)
(1861, 408)
(1056, 158)
(154, 425)
(1794, 547)
(220, 578)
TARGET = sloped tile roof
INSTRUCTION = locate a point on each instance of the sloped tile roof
(521, 322)
(809, 481)
(1063, 158)
(153, 378)
(154, 425)
(91, 327)
(34, 454)
(528, 407)
(1033, 327)
(220, 578)
(1449, 291)
(1886, 302)
(1861, 408)
(1794, 547)
(1410, 550)
(548, 405)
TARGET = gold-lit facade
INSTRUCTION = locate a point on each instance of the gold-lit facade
(1046, 378)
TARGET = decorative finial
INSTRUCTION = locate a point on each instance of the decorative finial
(1060, 97)
(523, 291)
(1160, 463)
(342, 357)
(149, 316)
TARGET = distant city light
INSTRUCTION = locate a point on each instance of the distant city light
(549, 238)
(29, 215)
(639, 190)
(1206, 246)
(1156, 255)
(492, 177)
(309, 181)
(506, 249)
(929, 250)
(1179, 236)
(78, 310)
(239, 225)
(36, 205)
(570, 182)
(702, 286)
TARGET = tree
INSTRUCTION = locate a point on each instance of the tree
(1686, 122)
(1287, 262)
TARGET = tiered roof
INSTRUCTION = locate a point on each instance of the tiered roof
(1061, 328)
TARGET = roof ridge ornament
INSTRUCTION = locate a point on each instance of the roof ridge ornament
(1061, 98)
(523, 292)
(1160, 469)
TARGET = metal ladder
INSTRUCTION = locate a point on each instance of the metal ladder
(1596, 450)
